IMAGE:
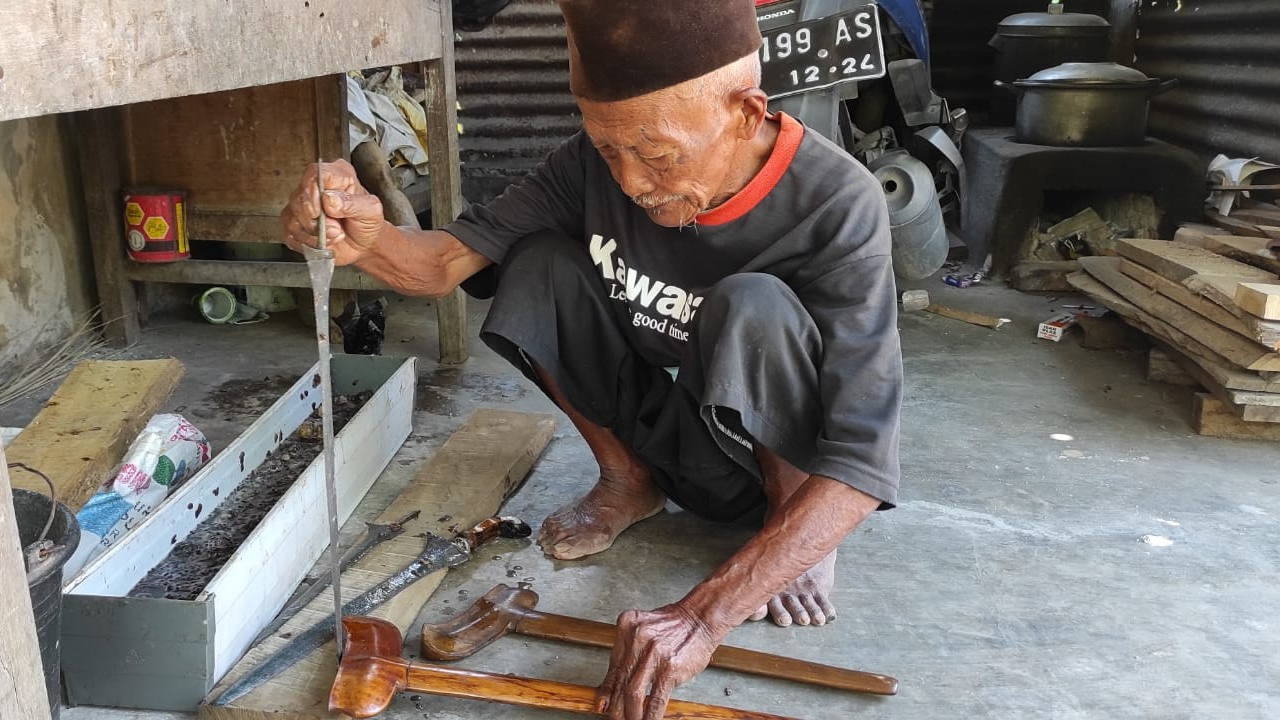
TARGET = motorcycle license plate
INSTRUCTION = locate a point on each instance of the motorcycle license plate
(820, 53)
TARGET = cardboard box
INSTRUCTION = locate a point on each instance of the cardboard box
(1056, 327)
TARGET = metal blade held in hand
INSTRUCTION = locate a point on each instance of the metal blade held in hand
(320, 267)
(437, 555)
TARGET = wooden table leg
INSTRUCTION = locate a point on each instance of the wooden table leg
(99, 136)
(446, 184)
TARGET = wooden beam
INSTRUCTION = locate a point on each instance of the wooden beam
(1261, 331)
(23, 693)
(1257, 214)
(467, 480)
(1162, 369)
(99, 135)
(233, 227)
(1259, 300)
(1248, 250)
(1212, 418)
(1203, 355)
(1252, 407)
(1179, 261)
(84, 430)
(65, 55)
(1237, 350)
(446, 182)
(247, 272)
(1236, 223)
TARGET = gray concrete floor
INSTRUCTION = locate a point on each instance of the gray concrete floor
(1012, 581)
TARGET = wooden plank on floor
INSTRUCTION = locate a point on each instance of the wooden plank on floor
(1162, 369)
(1249, 406)
(1179, 261)
(1204, 356)
(82, 433)
(1261, 331)
(1258, 214)
(1259, 300)
(1211, 417)
(1248, 250)
(1237, 350)
(467, 480)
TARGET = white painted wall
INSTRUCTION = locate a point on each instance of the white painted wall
(45, 267)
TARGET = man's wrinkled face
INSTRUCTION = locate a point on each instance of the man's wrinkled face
(672, 155)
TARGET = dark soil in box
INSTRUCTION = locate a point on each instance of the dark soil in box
(192, 563)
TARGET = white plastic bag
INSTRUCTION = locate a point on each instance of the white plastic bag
(168, 451)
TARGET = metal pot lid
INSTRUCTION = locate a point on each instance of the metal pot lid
(1102, 74)
(1053, 24)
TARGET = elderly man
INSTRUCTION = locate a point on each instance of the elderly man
(705, 289)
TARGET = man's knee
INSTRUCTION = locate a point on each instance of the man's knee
(754, 299)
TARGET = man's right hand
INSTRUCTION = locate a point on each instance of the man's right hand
(355, 220)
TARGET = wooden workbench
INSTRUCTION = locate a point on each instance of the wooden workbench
(227, 100)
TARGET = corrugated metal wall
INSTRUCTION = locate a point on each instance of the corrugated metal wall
(513, 84)
(1226, 56)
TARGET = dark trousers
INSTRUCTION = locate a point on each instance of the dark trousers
(748, 374)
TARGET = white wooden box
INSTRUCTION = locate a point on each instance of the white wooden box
(168, 654)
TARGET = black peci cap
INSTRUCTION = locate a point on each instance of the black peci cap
(621, 49)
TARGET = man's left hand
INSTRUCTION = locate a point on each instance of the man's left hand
(654, 652)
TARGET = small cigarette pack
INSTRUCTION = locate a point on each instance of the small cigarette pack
(1056, 327)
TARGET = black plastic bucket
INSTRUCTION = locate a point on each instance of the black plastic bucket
(45, 579)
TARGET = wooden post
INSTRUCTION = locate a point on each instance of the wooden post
(99, 135)
(23, 693)
(446, 185)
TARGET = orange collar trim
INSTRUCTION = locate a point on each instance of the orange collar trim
(784, 151)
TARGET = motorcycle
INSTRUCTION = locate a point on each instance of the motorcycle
(857, 72)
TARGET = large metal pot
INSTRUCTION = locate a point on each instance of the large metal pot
(1027, 43)
(1084, 104)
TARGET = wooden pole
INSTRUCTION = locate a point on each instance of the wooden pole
(446, 183)
(22, 693)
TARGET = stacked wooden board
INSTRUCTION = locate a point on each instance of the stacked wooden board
(1214, 316)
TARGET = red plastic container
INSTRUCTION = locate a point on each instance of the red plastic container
(155, 225)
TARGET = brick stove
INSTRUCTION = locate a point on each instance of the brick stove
(1011, 184)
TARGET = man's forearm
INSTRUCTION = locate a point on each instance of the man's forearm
(812, 523)
(427, 263)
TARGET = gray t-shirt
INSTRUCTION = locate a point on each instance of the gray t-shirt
(813, 217)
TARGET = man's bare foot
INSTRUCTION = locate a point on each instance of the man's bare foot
(805, 601)
(590, 524)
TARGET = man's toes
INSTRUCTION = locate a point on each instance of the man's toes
(827, 608)
(551, 532)
(793, 606)
(780, 616)
(812, 607)
(572, 546)
(760, 614)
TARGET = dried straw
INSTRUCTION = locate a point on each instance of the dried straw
(54, 363)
